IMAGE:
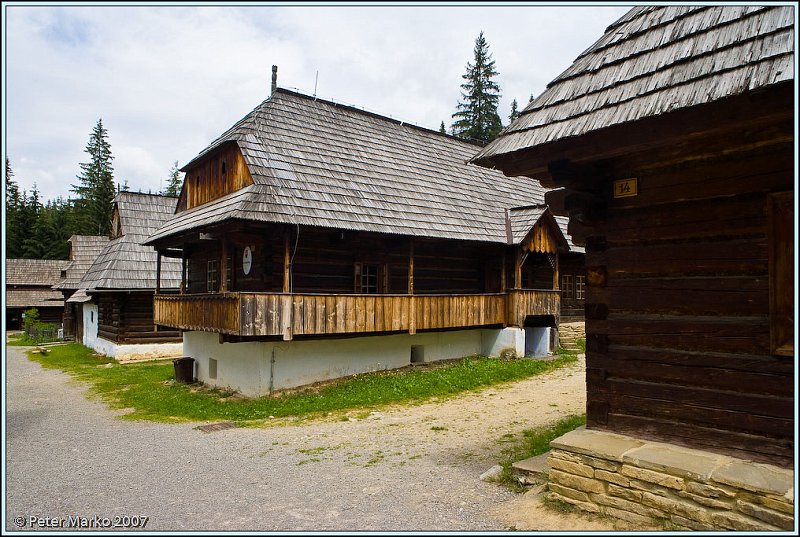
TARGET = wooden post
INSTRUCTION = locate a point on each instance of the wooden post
(521, 256)
(503, 282)
(158, 272)
(556, 284)
(412, 314)
(223, 267)
(184, 283)
(286, 261)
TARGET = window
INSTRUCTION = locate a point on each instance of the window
(369, 279)
(580, 287)
(566, 286)
(211, 276)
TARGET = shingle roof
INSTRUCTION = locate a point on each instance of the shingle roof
(318, 163)
(654, 60)
(124, 263)
(84, 249)
(29, 282)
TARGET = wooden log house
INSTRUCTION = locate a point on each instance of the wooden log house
(83, 250)
(670, 145)
(28, 285)
(309, 219)
(121, 283)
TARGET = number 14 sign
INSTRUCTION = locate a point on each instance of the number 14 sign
(625, 188)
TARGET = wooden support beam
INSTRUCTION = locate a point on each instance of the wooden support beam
(184, 283)
(503, 282)
(223, 267)
(555, 273)
(158, 272)
(412, 314)
(286, 263)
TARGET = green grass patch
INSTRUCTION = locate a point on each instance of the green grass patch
(581, 343)
(150, 392)
(20, 340)
(531, 443)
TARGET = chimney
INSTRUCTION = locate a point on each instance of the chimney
(274, 79)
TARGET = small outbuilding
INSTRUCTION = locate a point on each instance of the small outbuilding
(29, 284)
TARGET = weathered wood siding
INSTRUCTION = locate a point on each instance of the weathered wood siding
(678, 308)
(128, 318)
(221, 173)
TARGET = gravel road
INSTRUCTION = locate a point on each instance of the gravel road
(406, 468)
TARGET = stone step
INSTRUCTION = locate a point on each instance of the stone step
(533, 470)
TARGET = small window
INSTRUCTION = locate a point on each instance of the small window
(566, 286)
(780, 211)
(580, 287)
(222, 168)
(212, 277)
(369, 279)
(212, 368)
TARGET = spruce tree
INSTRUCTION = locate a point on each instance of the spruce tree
(14, 208)
(174, 181)
(442, 129)
(477, 116)
(514, 112)
(96, 189)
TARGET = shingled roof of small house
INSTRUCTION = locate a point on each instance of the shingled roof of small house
(29, 282)
(125, 263)
(319, 163)
(83, 250)
(654, 60)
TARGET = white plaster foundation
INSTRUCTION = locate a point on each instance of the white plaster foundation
(256, 368)
(123, 353)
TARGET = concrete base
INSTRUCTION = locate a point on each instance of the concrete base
(643, 481)
(259, 368)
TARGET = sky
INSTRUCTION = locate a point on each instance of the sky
(167, 79)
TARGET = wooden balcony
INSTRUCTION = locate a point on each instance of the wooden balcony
(289, 315)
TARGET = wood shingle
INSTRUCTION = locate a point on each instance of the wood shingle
(318, 163)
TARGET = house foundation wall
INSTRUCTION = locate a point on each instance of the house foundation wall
(127, 352)
(644, 481)
(258, 368)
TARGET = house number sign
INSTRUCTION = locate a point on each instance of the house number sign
(247, 260)
(625, 188)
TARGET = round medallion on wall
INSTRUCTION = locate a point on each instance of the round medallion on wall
(247, 260)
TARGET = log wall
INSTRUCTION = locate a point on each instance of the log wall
(678, 309)
(127, 318)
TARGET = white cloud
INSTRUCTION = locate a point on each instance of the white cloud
(167, 80)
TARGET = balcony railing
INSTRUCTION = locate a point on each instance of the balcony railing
(289, 315)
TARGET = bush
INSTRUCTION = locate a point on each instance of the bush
(37, 331)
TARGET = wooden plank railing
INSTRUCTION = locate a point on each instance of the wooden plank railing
(289, 315)
(206, 312)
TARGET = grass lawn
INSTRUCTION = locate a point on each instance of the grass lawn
(534, 442)
(148, 390)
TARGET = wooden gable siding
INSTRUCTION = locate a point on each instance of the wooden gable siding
(678, 308)
(212, 177)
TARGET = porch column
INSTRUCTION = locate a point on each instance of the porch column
(556, 283)
(223, 267)
(184, 283)
(286, 262)
(158, 271)
(412, 314)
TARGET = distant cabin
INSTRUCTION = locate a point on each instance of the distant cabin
(317, 240)
(83, 250)
(29, 284)
(118, 287)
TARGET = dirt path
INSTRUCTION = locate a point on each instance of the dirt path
(406, 468)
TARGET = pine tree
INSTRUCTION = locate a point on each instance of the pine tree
(174, 181)
(31, 210)
(514, 112)
(442, 129)
(96, 190)
(477, 116)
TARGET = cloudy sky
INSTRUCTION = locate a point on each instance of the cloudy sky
(168, 79)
